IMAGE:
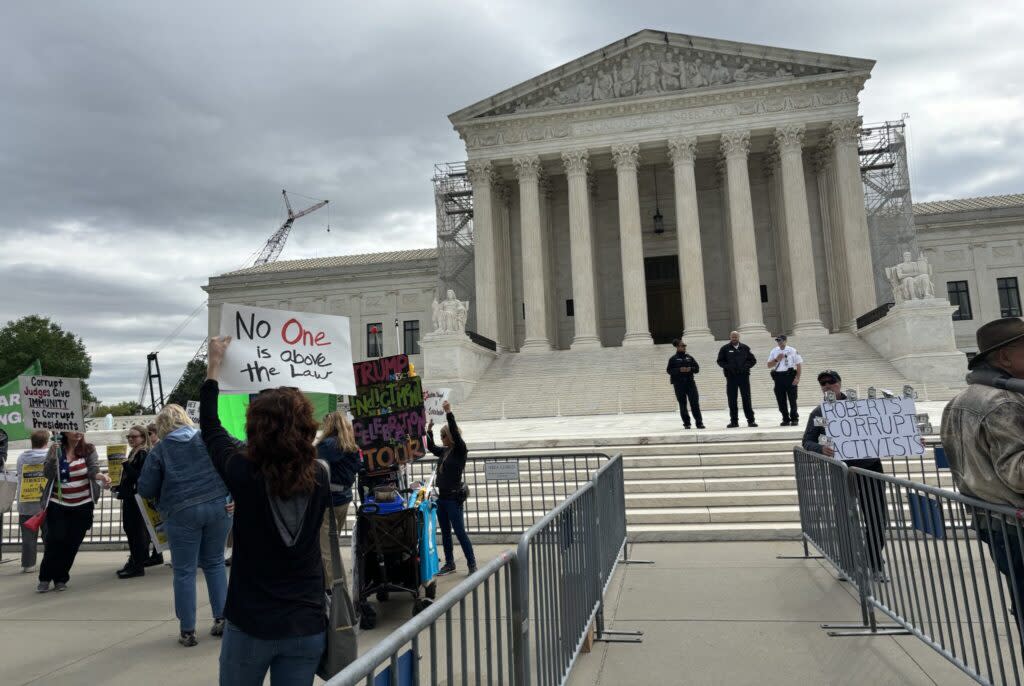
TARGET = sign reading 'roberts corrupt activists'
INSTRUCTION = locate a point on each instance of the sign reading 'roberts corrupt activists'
(387, 413)
(271, 348)
(873, 427)
(52, 403)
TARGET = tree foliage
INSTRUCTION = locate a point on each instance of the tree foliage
(127, 408)
(61, 352)
(188, 387)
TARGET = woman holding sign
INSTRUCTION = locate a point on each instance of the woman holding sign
(451, 492)
(337, 447)
(131, 516)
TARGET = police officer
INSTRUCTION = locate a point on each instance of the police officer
(681, 368)
(786, 365)
(736, 360)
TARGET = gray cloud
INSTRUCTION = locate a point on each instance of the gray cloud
(145, 146)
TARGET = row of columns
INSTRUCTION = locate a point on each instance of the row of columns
(847, 247)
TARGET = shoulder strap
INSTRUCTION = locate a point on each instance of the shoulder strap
(333, 528)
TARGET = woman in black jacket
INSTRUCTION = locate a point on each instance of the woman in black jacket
(337, 447)
(275, 610)
(451, 493)
(131, 516)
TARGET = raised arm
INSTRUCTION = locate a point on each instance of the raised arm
(452, 427)
(434, 448)
(219, 443)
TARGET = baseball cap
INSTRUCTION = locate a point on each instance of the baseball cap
(780, 337)
(826, 373)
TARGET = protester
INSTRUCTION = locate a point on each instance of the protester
(132, 519)
(154, 437)
(736, 361)
(337, 447)
(275, 609)
(786, 365)
(681, 368)
(451, 491)
(983, 440)
(29, 537)
(191, 498)
(870, 492)
(72, 470)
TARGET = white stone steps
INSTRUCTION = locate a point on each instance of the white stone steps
(707, 531)
(640, 499)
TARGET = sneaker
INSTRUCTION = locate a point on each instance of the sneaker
(188, 639)
(218, 627)
(43, 587)
(60, 586)
(154, 560)
(686, 426)
(753, 425)
(28, 570)
(700, 426)
(732, 425)
(795, 421)
(785, 422)
(449, 568)
(472, 569)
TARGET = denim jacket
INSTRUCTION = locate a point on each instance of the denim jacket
(983, 435)
(178, 473)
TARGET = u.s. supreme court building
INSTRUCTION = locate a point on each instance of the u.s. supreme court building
(662, 185)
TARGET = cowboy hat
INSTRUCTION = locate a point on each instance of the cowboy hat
(995, 335)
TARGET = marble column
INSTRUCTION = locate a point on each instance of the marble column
(691, 258)
(484, 263)
(535, 286)
(503, 276)
(634, 285)
(735, 146)
(852, 217)
(803, 283)
(581, 251)
(835, 258)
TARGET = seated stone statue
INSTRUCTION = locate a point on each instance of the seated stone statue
(911, 279)
(450, 314)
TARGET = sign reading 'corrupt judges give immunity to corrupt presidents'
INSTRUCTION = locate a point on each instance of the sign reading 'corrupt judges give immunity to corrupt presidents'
(52, 403)
(271, 348)
(874, 427)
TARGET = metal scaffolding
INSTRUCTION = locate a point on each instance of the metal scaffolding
(887, 201)
(453, 198)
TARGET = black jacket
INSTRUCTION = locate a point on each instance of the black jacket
(452, 462)
(676, 363)
(736, 361)
(3, 447)
(130, 471)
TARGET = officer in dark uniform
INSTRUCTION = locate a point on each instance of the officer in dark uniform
(681, 368)
(736, 360)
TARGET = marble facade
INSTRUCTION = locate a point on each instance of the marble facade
(753, 152)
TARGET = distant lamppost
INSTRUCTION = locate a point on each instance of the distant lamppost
(659, 220)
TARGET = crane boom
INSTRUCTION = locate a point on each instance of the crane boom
(275, 244)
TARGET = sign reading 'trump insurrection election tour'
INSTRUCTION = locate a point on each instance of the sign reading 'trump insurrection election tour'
(271, 348)
(52, 403)
(873, 427)
(388, 413)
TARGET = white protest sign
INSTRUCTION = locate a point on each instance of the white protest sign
(52, 403)
(271, 348)
(433, 401)
(873, 427)
(192, 410)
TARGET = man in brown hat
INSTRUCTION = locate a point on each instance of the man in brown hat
(983, 435)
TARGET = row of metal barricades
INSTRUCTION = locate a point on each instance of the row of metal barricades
(924, 559)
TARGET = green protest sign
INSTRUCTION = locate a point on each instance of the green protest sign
(11, 419)
(231, 410)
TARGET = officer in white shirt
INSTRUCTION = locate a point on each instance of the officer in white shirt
(786, 364)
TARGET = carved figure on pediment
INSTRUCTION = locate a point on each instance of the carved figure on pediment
(782, 71)
(742, 73)
(694, 74)
(450, 315)
(649, 82)
(625, 79)
(911, 279)
(604, 87)
(719, 74)
(671, 72)
(566, 96)
(585, 90)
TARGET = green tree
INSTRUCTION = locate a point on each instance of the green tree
(61, 352)
(127, 408)
(188, 385)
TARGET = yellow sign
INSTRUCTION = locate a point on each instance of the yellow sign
(154, 522)
(116, 455)
(32, 483)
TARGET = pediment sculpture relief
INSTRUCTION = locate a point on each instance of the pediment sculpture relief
(652, 70)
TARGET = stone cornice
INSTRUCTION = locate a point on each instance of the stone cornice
(385, 270)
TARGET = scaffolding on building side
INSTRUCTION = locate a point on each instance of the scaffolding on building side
(887, 201)
(453, 199)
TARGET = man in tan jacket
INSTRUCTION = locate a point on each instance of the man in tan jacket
(983, 435)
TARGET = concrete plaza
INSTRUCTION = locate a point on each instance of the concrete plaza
(712, 613)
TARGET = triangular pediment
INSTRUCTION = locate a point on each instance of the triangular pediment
(656, 63)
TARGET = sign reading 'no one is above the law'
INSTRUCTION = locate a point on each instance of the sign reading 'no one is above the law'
(271, 348)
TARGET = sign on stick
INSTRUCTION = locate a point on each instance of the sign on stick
(272, 348)
(154, 523)
(10, 405)
(873, 427)
(433, 401)
(52, 403)
(388, 413)
(192, 410)
(116, 455)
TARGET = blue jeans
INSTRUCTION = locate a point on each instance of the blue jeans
(245, 659)
(196, 535)
(449, 516)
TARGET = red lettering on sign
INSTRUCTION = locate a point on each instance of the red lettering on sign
(302, 336)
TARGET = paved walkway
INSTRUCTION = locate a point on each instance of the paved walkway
(730, 613)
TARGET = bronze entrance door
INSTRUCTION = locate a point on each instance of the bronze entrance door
(664, 299)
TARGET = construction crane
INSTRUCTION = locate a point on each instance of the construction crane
(270, 252)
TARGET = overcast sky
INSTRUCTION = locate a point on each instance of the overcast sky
(143, 146)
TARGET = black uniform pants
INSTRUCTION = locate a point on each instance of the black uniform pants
(135, 531)
(688, 392)
(738, 383)
(785, 392)
(65, 529)
(873, 511)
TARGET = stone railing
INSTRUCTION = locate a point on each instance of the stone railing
(119, 423)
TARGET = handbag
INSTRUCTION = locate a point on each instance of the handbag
(341, 647)
(34, 522)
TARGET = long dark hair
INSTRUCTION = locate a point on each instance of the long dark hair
(280, 429)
